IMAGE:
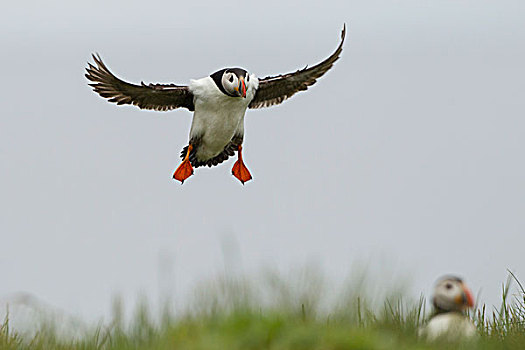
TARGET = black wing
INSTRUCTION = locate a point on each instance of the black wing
(274, 90)
(158, 97)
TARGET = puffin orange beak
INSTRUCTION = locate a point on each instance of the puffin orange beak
(468, 296)
(465, 298)
(242, 88)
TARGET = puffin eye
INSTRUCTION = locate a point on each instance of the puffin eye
(448, 286)
(231, 79)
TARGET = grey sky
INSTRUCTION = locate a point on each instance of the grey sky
(409, 151)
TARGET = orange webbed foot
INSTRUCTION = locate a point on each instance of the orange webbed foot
(184, 171)
(241, 172)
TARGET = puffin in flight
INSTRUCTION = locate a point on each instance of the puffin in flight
(218, 103)
(451, 299)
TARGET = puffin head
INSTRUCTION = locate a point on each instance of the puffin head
(452, 294)
(232, 81)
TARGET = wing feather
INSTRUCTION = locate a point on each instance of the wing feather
(274, 90)
(159, 97)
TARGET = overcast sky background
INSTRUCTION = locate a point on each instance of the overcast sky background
(408, 155)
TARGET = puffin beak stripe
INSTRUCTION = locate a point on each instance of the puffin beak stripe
(242, 88)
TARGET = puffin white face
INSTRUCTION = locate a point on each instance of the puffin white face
(451, 294)
(232, 81)
(233, 84)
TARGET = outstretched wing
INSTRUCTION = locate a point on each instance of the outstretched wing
(159, 97)
(274, 90)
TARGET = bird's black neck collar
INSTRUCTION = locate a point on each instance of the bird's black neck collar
(440, 311)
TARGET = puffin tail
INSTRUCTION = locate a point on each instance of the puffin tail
(227, 152)
(184, 151)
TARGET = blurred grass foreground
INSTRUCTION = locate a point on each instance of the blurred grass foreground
(297, 312)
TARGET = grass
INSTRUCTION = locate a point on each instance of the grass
(285, 314)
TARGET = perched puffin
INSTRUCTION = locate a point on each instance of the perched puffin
(451, 298)
(218, 101)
